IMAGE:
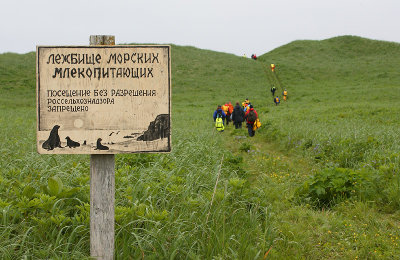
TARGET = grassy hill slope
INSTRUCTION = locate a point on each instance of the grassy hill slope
(208, 78)
(342, 112)
(17, 79)
(347, 59)
(340, 88)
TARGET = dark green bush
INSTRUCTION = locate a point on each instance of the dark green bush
(332, 185)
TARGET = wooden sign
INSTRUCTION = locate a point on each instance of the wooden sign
(103, 99)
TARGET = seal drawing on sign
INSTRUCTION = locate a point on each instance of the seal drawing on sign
(54, 139)
(99, 146)
(71, 143)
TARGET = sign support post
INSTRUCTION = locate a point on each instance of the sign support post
(102, 191)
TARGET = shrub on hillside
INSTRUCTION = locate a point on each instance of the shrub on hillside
(332, 185)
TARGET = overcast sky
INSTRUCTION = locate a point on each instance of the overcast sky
(232, 26)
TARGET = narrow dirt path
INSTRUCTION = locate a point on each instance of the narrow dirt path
(262, 157)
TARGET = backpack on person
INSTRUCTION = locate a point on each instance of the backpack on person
(252, 117)
(257, 124)
(219, 123)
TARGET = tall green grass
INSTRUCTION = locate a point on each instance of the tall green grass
(164, 206)
(163, 202)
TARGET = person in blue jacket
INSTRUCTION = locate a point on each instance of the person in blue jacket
(219, 112)
(277, 100)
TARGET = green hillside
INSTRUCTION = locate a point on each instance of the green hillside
(320, 179)
(339, 59)
(213, 77)
(17, 79)
(347, 85)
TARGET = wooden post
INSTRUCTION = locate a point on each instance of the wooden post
(102, 191)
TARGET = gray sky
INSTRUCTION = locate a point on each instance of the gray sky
(232, 26)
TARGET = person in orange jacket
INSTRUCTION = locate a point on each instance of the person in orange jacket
(228, 111)
(251, 116)
(230, 107)
(224, 108)
(284, 93)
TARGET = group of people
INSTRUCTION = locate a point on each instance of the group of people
(237, 114)
(276, 98)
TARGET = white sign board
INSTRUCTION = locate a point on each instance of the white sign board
(103, 99)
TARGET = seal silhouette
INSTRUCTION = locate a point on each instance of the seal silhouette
(99, 146)
(54, 139)
(71, 143)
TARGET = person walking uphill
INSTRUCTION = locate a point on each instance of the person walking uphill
(284, 93)
(219, 119)
(238, 116)
(251, 116)
(227, 108)
(273, 89)
(245, 103)
(277, 100)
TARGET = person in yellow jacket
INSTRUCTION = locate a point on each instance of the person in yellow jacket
(245, 103)
(247, 107)
(273, 67)
(284, 93)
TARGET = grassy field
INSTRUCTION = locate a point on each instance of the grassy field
(320, 179)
